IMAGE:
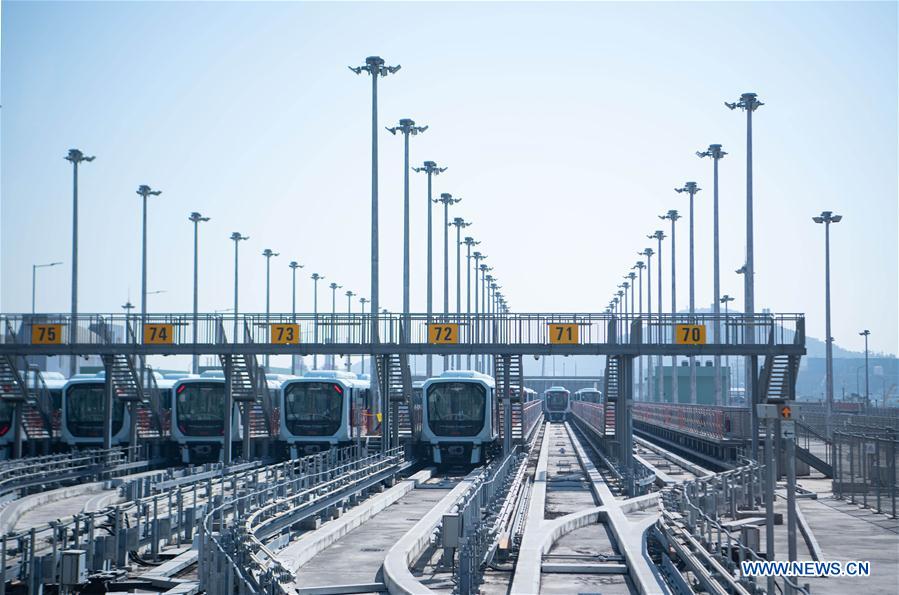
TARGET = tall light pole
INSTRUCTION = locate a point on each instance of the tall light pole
(267, 253)
(294, 265)
(196, 219)
(716, 154)
(127, 307)
(749, 102)
(692, 189)
(648, 253)
(484, 270)
(144, 191)
(237, 239)
(374, 66)
(673, 217)
(408, 128)
(726, 299)
(430, 168)
(315, 279)
(865, 333)
(349, 310)
(477, 327)
(659, 235)
(34, 269)
(363, 301)
(459, 223)
(334, 287)
(827, 217)
(75, 157)
(469, 242)
(640, 266)
(447, 200)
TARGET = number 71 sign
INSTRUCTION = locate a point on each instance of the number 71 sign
(563, 333)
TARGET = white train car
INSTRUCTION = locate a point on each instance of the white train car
(588, 395)
(459, 417)
(556, 403)
(83, 413)
(198, 417)
(323, 409)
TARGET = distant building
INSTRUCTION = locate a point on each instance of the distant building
(705, 383)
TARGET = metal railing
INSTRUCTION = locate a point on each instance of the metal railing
(354, 329)
(691, 526)
(479, 517)
(49, 469)
(708, 421)
(864, 469)
(233, 550)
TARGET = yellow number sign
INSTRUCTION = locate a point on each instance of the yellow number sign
(563, 333)
(443, 334)
(285, 334)
(158, 334)
(46, 334)
(689, 334)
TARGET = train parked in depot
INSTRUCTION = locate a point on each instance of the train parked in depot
(324, 409)
(556, 403)
(459, 417)
(588, 395)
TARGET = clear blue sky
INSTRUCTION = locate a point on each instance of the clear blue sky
(565, 127)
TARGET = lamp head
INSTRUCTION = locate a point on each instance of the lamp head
(237, 237)
(295, 265)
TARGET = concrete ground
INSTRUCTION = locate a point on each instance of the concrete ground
(357, 557)
(844, 532)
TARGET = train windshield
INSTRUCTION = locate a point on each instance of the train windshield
(84, 411)
(456, 408)
(313, 408)
(557, 400)
(201, 408)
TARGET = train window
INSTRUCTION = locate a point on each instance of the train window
(201, 409)
(456, 408)
(84, 411)
(313, 408)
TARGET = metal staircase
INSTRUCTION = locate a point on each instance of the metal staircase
(124, 377)
(514, 390)
(396, 385)
(152, 421)
(39, 419)
(778, 377)
(611, 392)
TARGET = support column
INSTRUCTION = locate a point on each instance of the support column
(507, 407)
(626, 399)
(229, 409)
(107, 404)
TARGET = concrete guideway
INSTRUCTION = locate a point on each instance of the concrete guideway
(540, 533)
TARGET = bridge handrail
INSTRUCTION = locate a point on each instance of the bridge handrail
(474, 329)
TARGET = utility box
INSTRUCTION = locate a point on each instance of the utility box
(74, 568)
(452, 530)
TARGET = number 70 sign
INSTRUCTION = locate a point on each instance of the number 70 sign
(689, 334)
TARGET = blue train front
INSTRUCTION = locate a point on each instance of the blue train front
(459, 417)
